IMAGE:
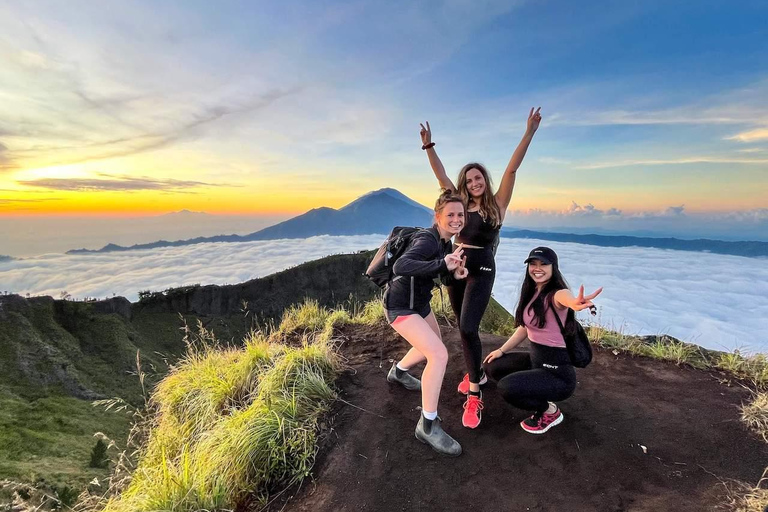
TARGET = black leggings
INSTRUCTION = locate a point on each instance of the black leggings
(469, 299)
(530, 380)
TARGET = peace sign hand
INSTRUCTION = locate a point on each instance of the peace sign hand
(426, 134)
(534, 118)
(453, 260)
(584, 302)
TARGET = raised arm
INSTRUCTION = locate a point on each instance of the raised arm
(564, 298)
(434, 161)
(504, 194)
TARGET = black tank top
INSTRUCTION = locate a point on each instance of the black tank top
(478, 231)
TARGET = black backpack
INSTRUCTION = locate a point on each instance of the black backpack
(380, 269)
(576, 340)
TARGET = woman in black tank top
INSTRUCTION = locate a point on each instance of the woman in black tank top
(479, 237)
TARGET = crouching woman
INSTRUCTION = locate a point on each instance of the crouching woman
(537, 379)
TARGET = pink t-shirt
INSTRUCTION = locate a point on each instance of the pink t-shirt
(550, 334)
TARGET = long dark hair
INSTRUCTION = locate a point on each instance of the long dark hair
(487, 206)
(540, 305)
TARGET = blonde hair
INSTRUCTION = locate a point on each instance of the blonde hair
(487, 206)
(449, 196)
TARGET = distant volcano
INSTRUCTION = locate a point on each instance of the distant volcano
(375, 212)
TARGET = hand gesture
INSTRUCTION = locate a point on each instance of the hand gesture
(461, 272)
(493, 355)
(453, 260)
(534, 118)
(426, 134)
(584, 302)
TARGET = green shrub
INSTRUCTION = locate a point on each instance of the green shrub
(99, 458)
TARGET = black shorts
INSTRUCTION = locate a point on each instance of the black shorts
(392, 314)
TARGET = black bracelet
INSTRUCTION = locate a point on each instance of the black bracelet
(427, 146)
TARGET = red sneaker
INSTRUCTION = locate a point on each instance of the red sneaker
(473, 411)
(464, 384)
(541, 422)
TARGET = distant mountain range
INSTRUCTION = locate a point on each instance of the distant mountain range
(749, 249)
(379, 211)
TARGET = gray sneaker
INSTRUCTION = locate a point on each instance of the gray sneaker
(436, 437)
(406, 379)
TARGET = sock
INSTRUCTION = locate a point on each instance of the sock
(478, 394)
(552, 409)
(400, 371)
(429, 415)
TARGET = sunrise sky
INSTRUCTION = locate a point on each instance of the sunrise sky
(651, 108)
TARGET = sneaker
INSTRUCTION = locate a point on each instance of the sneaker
(473, 411)
(541, 422)
(407, 380)
(464, 384)
(431, 433)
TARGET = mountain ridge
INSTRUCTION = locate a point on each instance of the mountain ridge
(378, 211)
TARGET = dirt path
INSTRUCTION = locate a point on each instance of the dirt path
(594, 461)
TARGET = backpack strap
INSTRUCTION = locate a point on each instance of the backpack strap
(557, 317)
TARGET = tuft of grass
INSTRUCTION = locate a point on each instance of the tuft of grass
(743, 497)
(731, 362)
(372, 313)
(755, 414)
(756, 370)
(309, 315)
(753, 369)
(671, 350)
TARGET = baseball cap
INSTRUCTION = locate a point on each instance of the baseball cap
(544, 254)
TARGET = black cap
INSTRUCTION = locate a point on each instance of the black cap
(544, 254)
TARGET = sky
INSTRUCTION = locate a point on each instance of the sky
(655, 113)
(646, 291)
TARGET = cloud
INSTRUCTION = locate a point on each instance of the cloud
(189, 123)
(673, 161)
(583, 211)
(751, 135)
(6, 162)
(647, 291)
(126, 273)
(671, 221)
(24, 201)
(575, 210)
(674, 211)
(122, 183)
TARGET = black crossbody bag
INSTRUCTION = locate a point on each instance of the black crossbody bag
(576, 340)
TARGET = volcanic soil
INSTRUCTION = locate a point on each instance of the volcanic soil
(638, 435)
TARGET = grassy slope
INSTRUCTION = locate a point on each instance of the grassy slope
(56, 356)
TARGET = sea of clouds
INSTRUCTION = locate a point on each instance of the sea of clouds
(719, 302)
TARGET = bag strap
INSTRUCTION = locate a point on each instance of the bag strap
(557, 317)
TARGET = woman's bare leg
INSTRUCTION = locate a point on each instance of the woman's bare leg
(420, 334)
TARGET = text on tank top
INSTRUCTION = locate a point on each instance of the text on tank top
(477, 231)
(550, 334)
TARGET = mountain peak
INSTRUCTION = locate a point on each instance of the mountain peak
(183, 213)
(391, 192)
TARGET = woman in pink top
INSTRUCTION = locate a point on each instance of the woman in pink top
(534, 380)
